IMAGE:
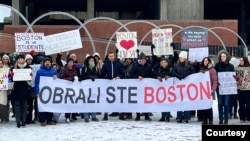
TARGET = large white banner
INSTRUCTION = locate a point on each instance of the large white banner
(62, 42)
(126, 44)
(162, 38)
(26, 42)
(125, 95)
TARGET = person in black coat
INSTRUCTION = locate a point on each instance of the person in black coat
(21, 93)
(142, 69)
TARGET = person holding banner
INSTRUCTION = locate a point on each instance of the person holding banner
(163, 73)
(4, 106)
(223, 65)
(244, 96)
(181, 70)
(21, 92)
(207, 65)
(90, 71)
(68, 72)
(45, 118)
(142, 69)
(111, 69)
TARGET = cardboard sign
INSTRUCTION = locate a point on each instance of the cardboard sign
(145, 49)
(22, 74)
(162, 38)
(26, 42)
(4, 78)
(197, 54)
(126, 44)
(228, 85)
(62, 42)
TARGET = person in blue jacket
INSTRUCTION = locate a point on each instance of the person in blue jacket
(46, 69)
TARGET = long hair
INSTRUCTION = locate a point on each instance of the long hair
(246, 62)
(202, 62)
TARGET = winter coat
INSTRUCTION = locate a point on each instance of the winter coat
(68, 74)
(21, 89)
(213, 76)
(142, 70)
(224, 66)
(182, 70)
(88, 73)
(111, 70)
(43, 71)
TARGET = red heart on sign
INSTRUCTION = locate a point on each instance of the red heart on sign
(127, 44)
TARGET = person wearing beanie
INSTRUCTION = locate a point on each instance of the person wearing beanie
(140, 70)
(21, 93)
(89, 71)
(181, 70)
(6, 61)
(46, 69)
(162, 73)
(68, 72)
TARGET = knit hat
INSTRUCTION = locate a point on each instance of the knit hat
(39, 59)
(183, 54)
(6, 56)
(28, 56)
(47, 59)
(142, 56)
(20, 56)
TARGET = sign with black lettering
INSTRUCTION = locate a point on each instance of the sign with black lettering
(228, 84)
(194, 37)
(26, 42)
(125, 95)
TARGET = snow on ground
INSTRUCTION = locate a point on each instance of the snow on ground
(111, 130)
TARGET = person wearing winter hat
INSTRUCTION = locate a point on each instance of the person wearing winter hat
(98, 60)
(28, 59)
(45, 70)
(21, 93)
(181, 70)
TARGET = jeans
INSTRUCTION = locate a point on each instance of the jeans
(87, 115)
(223, 106)
(185, 114)
(165, 114)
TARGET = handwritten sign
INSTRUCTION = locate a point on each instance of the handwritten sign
(34, 70)
(126, 44)
(145, 49)
(25, 42)
(62, 42)
(162, 38)
(4, 78)
(245, 81)
(194, 37)
(22, 74)
(228, 85)
(197, 54)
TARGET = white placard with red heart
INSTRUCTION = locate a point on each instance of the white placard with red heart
(126, 44)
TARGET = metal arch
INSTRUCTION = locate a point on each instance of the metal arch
(71, 16)
(111, 19)
(125, 25)
(174, 25)
(234, 34)
(216, 35)
(19, 14)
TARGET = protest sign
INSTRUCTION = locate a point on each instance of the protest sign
(22, 74)
(228, 85)
(4, 78)
(126, 44)
(197, 54)
(26, 42)
(62, 42)
(161, 39)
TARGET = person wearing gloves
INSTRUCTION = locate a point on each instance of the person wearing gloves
(89, 71)
(223, 65)
(181, 70)
(45, 118)
(68, 72)
(20, 93)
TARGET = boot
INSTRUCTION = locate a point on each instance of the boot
(121, 116)
(105, 116)
(235, 116)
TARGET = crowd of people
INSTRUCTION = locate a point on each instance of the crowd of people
(23, 96)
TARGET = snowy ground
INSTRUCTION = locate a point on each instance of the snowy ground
(111, 130)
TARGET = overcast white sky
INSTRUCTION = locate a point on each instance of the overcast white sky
(4, 12)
